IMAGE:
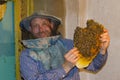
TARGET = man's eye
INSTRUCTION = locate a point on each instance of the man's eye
(44, 24)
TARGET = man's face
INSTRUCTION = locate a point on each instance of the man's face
(41, 28)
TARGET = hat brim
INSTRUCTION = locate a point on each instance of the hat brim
(25, 23)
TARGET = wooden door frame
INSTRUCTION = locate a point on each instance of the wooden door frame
(22, 9)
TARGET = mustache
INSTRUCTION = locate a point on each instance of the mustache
(43, 32)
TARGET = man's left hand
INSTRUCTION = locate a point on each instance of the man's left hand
(105, 41)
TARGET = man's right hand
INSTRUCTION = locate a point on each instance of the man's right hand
(71, 58)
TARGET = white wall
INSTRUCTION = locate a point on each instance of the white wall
(71, 17)
(106, 12)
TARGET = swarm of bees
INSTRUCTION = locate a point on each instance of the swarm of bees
(87, 41)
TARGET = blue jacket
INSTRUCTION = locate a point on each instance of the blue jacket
(32, 69)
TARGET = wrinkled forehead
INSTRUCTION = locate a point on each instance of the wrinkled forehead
(40, 20)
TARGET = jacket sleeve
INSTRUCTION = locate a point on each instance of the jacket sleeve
(33, 70)
(97, 63)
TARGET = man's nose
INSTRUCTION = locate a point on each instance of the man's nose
(41, 29)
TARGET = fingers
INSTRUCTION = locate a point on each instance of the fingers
(72, 56)
(105, 36)
(105, 41)
(105, 33)
(71, 51)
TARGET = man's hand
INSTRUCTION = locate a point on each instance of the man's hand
(105, 41)
(70, 59)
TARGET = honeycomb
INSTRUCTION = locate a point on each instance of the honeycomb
(87, 41)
